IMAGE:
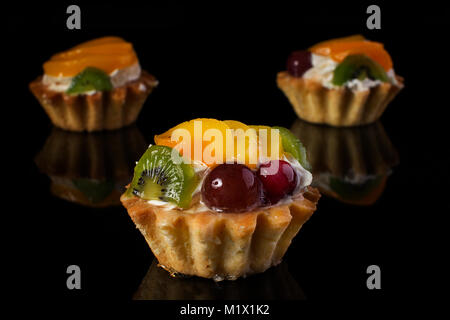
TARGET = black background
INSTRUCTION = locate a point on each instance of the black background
(221, 61)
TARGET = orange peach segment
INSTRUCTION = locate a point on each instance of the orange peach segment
(245, 143)
(72, 67)
(338, 49)
(265, 140)
(107, 54)
(122, 48)
(198, 136)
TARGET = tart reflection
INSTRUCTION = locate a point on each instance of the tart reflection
(351, 165)
(90, 169)
(275, 283)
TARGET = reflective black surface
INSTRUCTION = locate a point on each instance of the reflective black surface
(351, 165)
(91, 169)
(274, 284)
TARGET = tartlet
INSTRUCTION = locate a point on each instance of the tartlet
(96, 85)
(220, 220)
(351, 165)
(90, 169)
(340, 82)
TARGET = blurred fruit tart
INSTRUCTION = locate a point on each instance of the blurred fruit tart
(227, 217)
(96, 85)
(340, 82)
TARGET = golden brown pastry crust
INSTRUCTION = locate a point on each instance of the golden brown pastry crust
(100, 111)
(221, 245)
(337, 107)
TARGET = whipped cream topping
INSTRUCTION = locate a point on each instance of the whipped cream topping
(323, 68)
(304, 179)
(118, 77)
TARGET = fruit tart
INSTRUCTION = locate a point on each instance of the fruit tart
(340, 82)
(96, 85)
(351, 165)
(220, 199)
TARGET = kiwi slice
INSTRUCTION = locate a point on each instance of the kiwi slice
(158, 177)
(292, 145)
(90, 79)
(358, 66)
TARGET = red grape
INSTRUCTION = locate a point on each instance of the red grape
(298, 63)
(232, 188)
(278, 178)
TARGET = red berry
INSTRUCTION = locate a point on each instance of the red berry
(232, 188)
(298, 63)
(278, 178)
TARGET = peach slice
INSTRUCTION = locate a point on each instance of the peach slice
(107, 54)
(338, 49)
(199, 135)
(72, 67)
(245, 143)
(268, 154)
(121, 48)
(248, 143)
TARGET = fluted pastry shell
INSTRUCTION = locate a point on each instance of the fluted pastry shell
(220, 245)
(340, 107)
(105, 110)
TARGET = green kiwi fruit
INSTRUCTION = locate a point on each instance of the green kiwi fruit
(158, 177)
(294, 146)
(90, 79)
(358, 66)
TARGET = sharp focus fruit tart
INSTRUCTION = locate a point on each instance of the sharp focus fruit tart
(93, 86)
(340, 82)
(221, 199)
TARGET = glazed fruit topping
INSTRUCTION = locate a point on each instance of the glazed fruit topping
(245, 141)
(298, 63)
(107, 54)
(166, 138)
(339, 49)
(232, 188)
(278, 178)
